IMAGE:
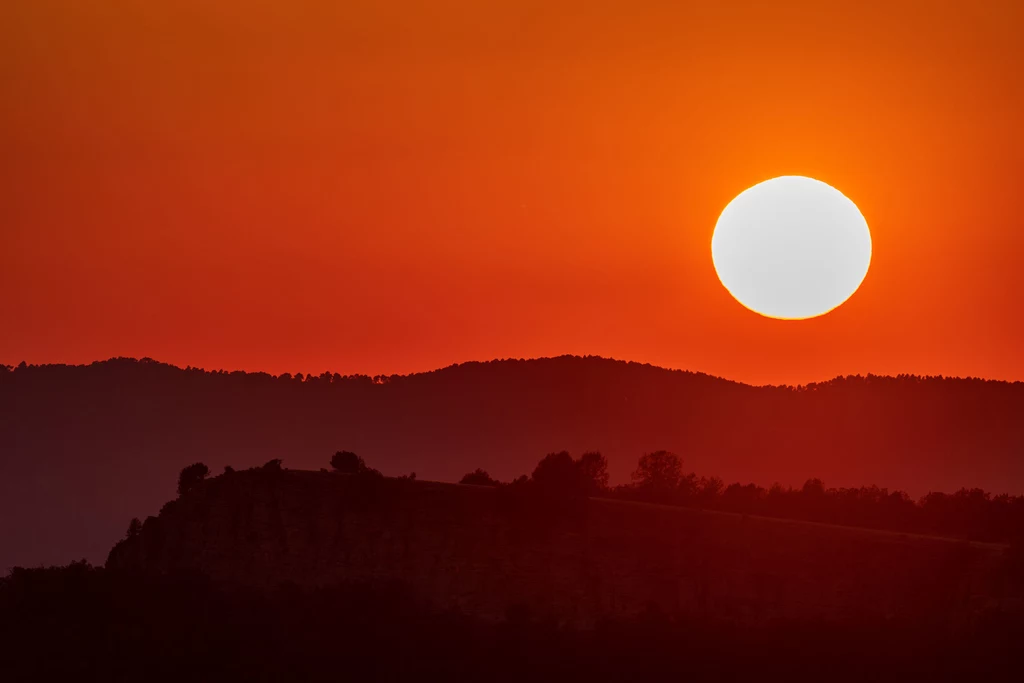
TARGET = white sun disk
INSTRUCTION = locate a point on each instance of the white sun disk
(791, 247)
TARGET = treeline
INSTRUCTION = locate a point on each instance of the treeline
(123, 364)
(83, 623)
(127, 364)
(971, 514)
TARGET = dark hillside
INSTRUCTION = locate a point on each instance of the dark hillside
(84, 448)
(483, 550)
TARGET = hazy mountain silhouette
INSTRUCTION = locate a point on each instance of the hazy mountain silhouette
(86, 448)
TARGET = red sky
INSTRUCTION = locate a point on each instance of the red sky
(390, 187)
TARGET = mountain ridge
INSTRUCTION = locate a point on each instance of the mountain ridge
(111, 436)
(382, 378)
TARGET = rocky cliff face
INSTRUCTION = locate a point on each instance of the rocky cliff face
(482, 550)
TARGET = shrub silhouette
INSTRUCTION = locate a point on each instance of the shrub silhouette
(347, 462)
(191, 476)
(479, 477)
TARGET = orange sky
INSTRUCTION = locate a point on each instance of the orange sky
(396, 186)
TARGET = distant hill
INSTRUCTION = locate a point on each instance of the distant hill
(85, 448)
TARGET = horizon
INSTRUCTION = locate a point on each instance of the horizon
(306, 375)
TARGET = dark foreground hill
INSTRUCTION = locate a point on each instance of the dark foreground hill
(84, 448)
(483, 550)
(79, 623)
(271, 575)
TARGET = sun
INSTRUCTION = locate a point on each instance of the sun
(791, 247)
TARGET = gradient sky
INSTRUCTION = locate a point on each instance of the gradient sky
(395, 186)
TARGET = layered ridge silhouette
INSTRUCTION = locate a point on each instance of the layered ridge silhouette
(86, 448)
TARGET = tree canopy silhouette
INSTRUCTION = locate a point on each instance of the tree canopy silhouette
(191, 476)
(559, 474)
(659, 473)
(347, 462)
(593, 468)
(479, 477)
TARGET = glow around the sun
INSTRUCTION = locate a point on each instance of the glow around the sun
(791, 247)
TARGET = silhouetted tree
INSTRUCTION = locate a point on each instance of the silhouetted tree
(134, 528)
(272, 465)
(557, 474)
(659, 473)
(709, 488)
(688, 487)
(743, 498)
(479, 477)
(814, 487)
(191, 476)
(593, 469)
(347, 462)
(228, 469)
